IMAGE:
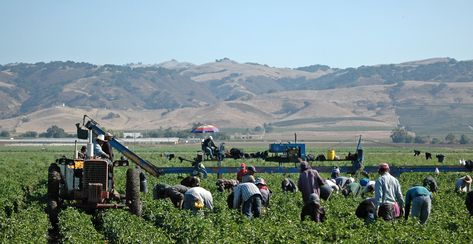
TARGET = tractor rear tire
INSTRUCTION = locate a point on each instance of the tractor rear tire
(54, 181)
(133, 191)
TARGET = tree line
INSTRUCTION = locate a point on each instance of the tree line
(57, 132)
(401, 135)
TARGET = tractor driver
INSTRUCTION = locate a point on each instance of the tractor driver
(98, 152)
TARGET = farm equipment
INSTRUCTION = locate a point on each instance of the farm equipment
(90, 182)
(199, 168)
(294, 152)
(356, 158)
(286, 152)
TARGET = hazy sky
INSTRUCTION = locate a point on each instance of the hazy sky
(277, 33)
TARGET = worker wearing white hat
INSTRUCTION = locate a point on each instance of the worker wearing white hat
(98, 152)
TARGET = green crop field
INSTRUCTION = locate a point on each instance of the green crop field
(23, 189)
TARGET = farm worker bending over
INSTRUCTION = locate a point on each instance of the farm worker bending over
(98, 152)
(197, 198)
(421, 200)
(248, 194)
(250, 172)
(266, 193)
(367, 186)
(335, 172)
(332, 184)
(326, 190)
(366, 210)
(175, 193)
(430, 182)
(463, 184)
(242, 172)
(352, 189)
(288, 185)
(388, 195)
(313, 209)
(342, 181)
(309, 181)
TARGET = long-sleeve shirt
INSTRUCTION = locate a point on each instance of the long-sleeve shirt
(332, 184)
(354, 188)
(176, 194)
(241, 173)
(243, 192)
(288, 185)
(388, 190)
(265, 195)
(98, 152)
(415, 192)
(461, 185)
(310, 182)
(366, 208)
(107, 148)
(342, 181)
(199, 193)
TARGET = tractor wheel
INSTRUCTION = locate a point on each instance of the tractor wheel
(53, 212)
(54, 181)
(133, 191)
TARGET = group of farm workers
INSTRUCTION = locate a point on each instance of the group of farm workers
(251, 195)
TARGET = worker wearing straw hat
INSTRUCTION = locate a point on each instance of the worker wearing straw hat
(463, 184)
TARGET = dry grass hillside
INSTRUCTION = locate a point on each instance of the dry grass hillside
(431, 97)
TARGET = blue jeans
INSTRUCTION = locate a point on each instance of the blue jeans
(421, 206)
(252, 206)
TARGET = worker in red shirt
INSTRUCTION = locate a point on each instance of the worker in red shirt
(242, 172)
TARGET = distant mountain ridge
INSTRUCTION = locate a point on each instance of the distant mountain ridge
(260, 93)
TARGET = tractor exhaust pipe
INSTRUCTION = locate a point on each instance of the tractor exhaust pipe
(76, 153)
(90, 146)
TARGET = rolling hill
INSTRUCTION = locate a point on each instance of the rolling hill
(431, 97)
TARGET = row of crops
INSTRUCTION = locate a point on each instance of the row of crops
(23, 174)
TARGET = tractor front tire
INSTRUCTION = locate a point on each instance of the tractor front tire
(133, 191)
(53, 213)
(54, 181)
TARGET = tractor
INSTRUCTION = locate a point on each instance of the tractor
(89, 182)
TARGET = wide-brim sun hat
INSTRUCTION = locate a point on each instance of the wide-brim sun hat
(260, 181)
(101, 137)
(467, 179)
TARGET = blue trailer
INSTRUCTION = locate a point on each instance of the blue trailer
(286, 152)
